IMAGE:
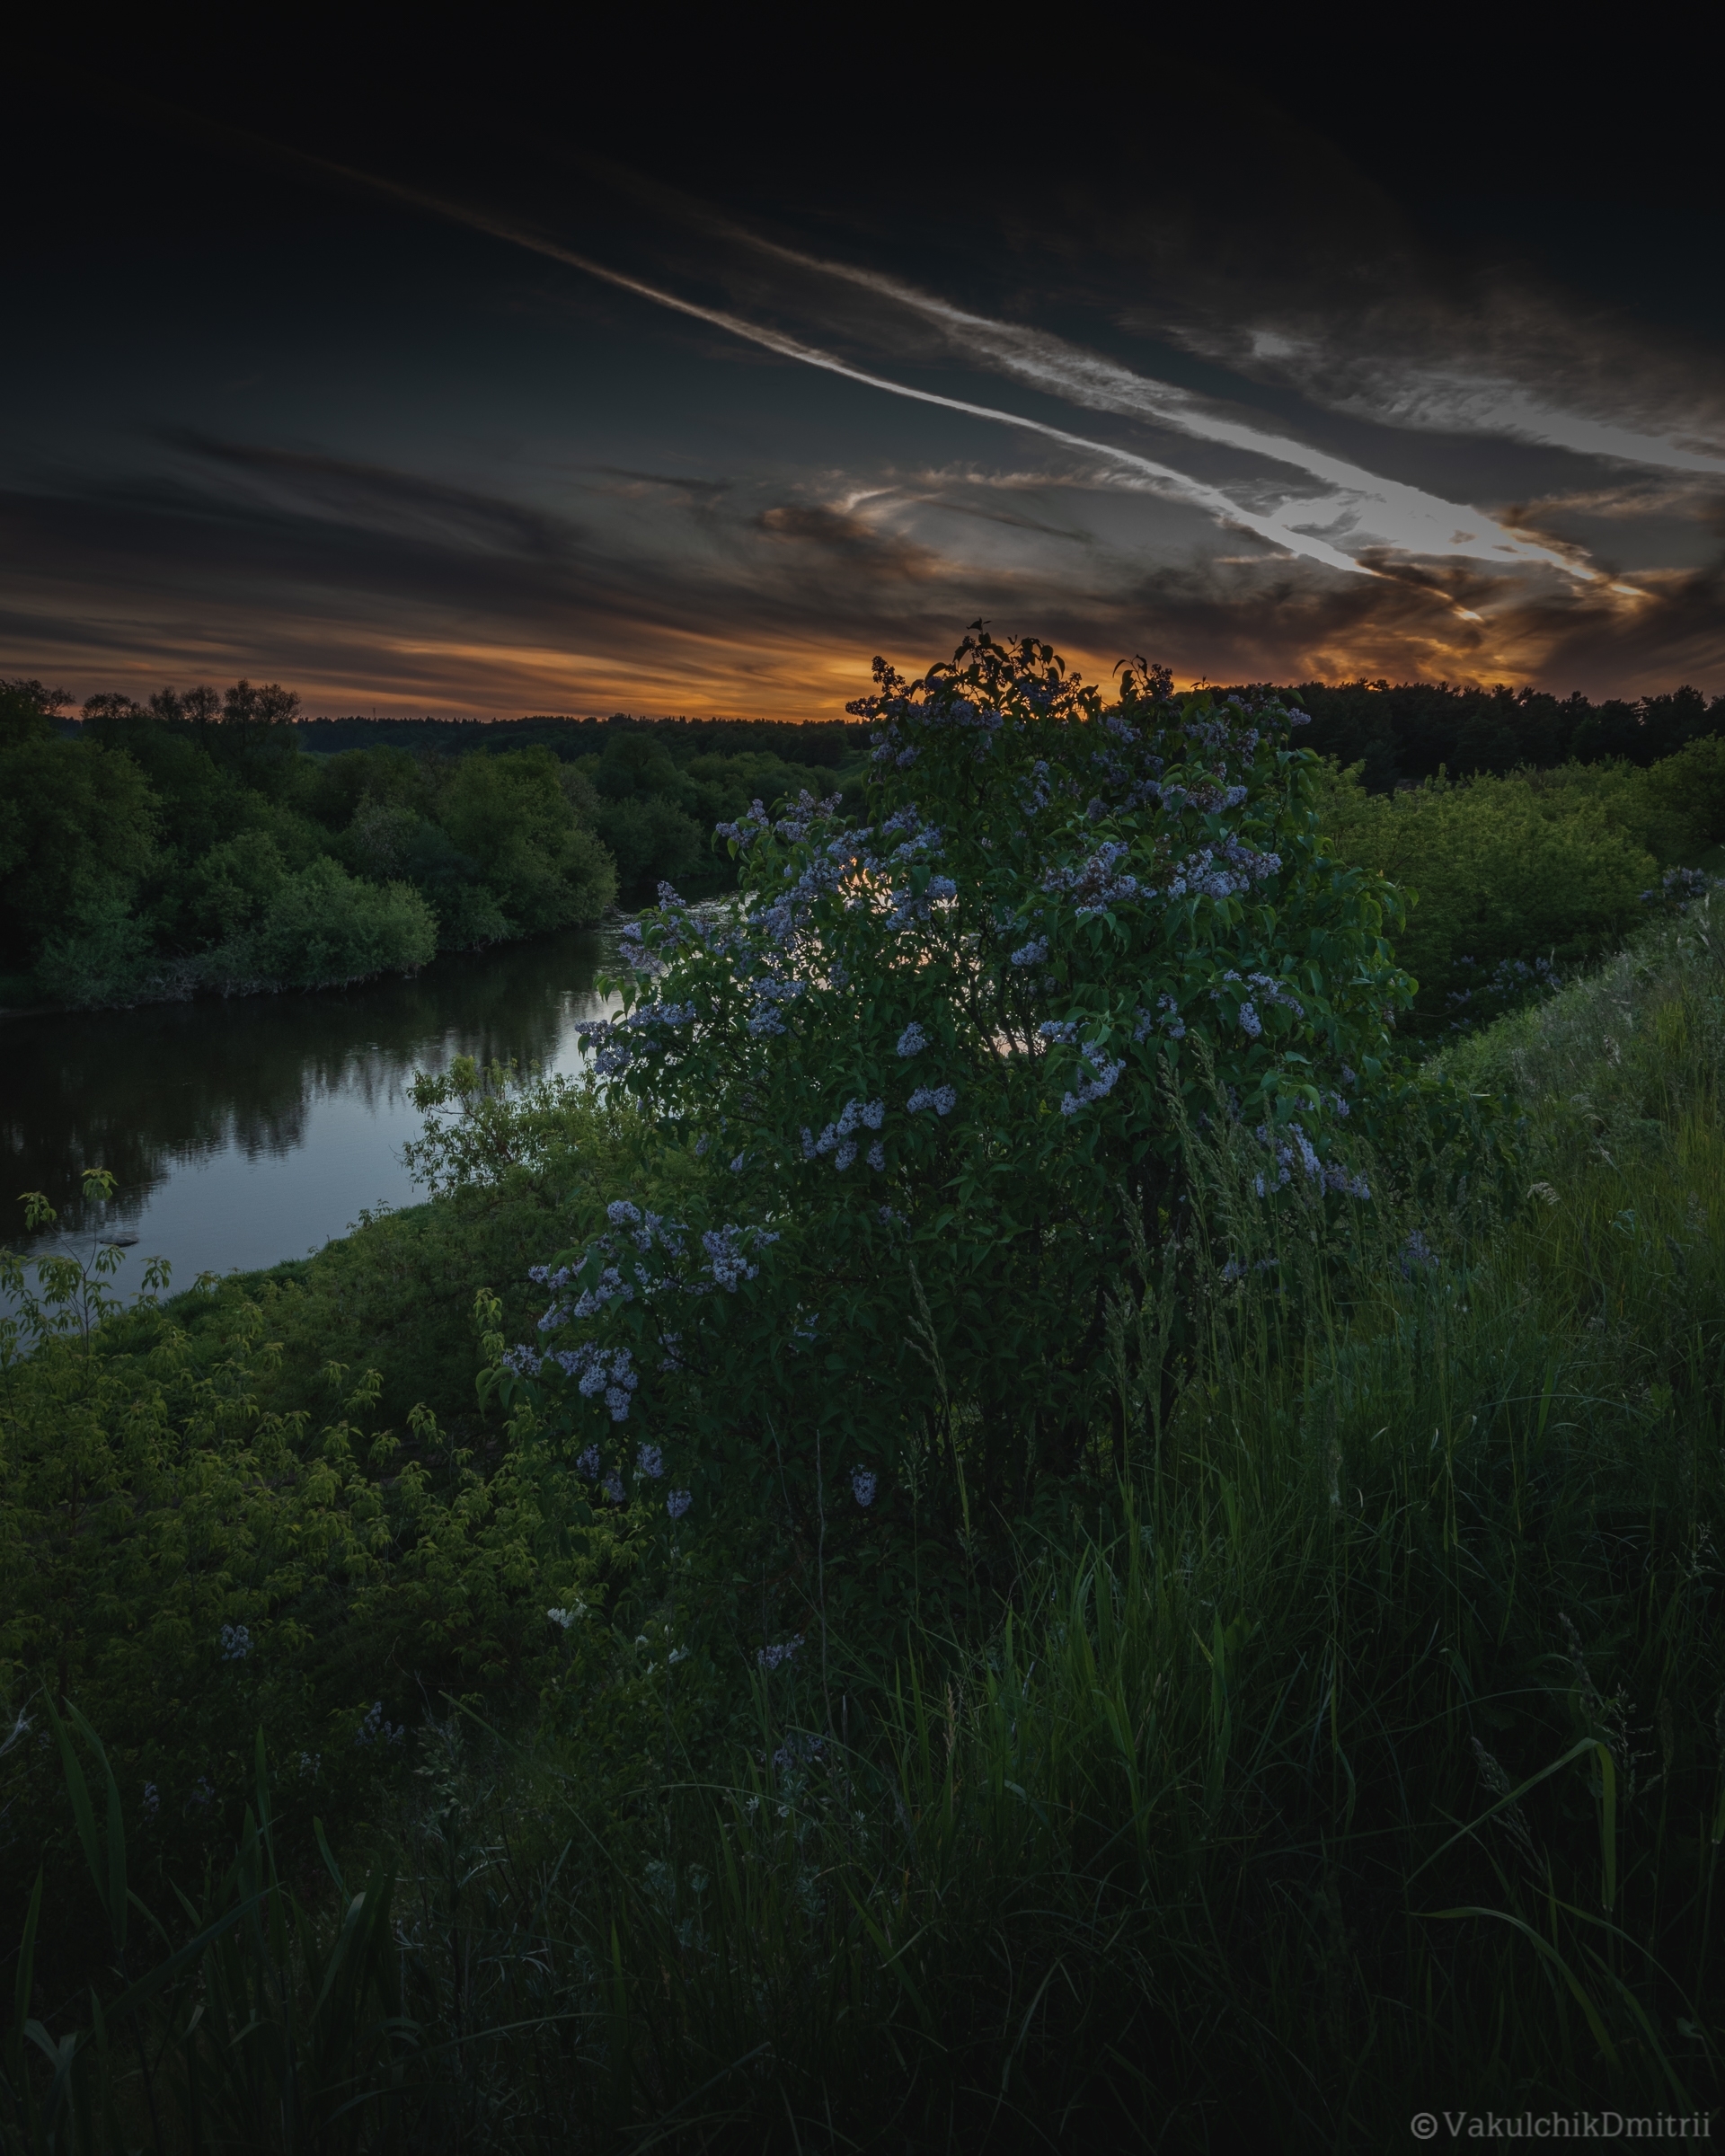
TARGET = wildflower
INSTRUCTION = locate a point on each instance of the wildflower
(678, 1502)
(375, 1730)
(862, 1485)
(649, 1462)
(201, 1791)
(1416, 1251)
(152, 1800)
(778, 1651)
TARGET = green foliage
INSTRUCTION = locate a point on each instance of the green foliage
(1000, 1003)
(1362, 1743)
(323, 927)
(77, 838)
(514, 819)
(187, 1561)
(1500, 869)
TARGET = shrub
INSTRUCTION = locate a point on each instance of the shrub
(322, 927)
(1497, 869)
(942, 1069)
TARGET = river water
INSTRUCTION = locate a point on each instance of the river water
(242, 1133)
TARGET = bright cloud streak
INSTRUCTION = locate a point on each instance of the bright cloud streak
(1361, 506)
(1179, 485)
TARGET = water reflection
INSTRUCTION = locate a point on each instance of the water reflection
(241, 1133)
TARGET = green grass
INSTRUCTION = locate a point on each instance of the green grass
(1350, 1741)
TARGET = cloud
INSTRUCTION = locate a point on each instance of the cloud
(357, 584)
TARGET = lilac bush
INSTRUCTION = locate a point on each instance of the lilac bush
(935, 1068)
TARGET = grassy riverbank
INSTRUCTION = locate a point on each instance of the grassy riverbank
(1339, 1735)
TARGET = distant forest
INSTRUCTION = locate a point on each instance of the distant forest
(218, 841)
(1400, 733)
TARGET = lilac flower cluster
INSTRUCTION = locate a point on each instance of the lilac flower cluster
(942, 1099)
(1680, 888)
(650, 1461)
(769, 996)
(1269, 990)
(1035, 794)
(1201, 875)
(912, 1040)
(1033, 953)
(863, 1483)
(1165, 1017)
(375, 1730)
(1095, 883)
(837, 1138)
(236, 1643)
(678, 1503)
(778, 1651)
(1062, 1030)
(637, 956)
(1330, 1175)
(619, 1043)
(799, 1749)
(1097, 1088)
(606, 1373)
(726, 1259)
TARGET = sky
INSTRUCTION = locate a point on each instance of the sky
(540, 375)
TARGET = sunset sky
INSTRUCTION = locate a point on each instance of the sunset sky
(540, 379)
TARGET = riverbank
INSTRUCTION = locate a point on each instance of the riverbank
(1044, 1854)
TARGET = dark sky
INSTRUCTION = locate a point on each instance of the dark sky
(501, 369)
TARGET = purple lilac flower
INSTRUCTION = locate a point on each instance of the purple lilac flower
(236, 1643)
(912, 1040)
(942, 1099)
(613, 1487)
(1032, 953)
(678, 1503)
(1093, 1089)
(1416, 1251)
(588, 1464)
(650, 1461)
(876, 1156)
(862, 1485)
(778, 1651)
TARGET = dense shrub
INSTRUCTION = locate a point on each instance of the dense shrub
(943, 1070)
(323, 928)
(1498, 872)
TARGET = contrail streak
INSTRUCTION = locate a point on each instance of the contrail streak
(1415, 521)
(1167, 480)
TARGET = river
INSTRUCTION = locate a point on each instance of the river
(242, 1133)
